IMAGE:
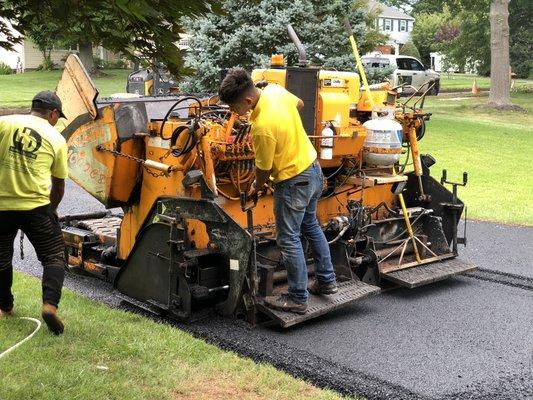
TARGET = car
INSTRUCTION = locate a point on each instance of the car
(406, 70)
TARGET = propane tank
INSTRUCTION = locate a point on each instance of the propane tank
(326, 143)
(382, 146)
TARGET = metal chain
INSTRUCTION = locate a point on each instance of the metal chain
(129, 157)
(119, 154)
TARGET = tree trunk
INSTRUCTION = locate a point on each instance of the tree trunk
(500, 85)
(86, 57)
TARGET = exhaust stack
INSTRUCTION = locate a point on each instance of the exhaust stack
(302, 56)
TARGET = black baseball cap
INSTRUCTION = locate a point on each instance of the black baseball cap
(47, 100)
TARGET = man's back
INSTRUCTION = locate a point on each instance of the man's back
(280, 140)
(31, 150)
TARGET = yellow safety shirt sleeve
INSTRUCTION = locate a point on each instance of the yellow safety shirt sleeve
(293, 98)
(265, 148)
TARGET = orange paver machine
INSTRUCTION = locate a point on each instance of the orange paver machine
(188, 241)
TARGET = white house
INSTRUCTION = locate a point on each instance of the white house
(394, 23)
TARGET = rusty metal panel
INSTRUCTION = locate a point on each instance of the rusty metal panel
(76, 90)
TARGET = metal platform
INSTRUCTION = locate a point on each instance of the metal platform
(427, 273)
(349, 292)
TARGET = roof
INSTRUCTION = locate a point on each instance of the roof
(389, 12)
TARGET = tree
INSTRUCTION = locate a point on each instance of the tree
(425, 31)
(45, 36)
(250, 32)
(521, 37)
(8, 37)
(409, 49)
(499, 95)
(131, 27)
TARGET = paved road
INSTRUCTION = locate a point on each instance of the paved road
(458, 339)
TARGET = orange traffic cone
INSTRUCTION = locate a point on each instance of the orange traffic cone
(475, 88)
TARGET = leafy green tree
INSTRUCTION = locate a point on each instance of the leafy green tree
(409, 49)
(131, 27)
(471, 46)
(250, 32)
(45, 35)
(7, 36)
(521, 37)
(425, 31)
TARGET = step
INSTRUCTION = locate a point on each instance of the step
(349, 292)
(419, 275)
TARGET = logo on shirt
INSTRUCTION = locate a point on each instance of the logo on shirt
(26, 142)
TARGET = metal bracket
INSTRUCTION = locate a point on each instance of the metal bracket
(455, 208)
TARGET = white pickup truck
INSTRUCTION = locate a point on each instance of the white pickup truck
(407, 70)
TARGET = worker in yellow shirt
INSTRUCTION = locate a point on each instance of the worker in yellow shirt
(33, 168)
(284, 153)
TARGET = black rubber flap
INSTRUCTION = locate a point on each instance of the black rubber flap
(349, 292)
(427, 273)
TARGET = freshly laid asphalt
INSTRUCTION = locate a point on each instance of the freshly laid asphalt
(469, 337)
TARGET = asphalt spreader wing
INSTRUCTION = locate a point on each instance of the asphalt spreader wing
(436, 269)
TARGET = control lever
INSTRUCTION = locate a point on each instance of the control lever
(253, 280)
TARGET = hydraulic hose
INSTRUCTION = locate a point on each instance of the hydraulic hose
(6, 352)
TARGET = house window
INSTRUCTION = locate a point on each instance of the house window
(388, 24)
(403, 25)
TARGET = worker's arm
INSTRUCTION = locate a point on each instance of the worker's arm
(265, 148)
(261, 178)
(56, 192)
(59, 172)
(297, 101)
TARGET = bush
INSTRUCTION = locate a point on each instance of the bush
(378, 75)
(118, 64)
(5, 69)
(409, 49)
(46, 65)
(103, 64)
(98, 62)
(524, 89)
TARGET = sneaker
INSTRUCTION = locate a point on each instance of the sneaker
(52, 320)
(284, 302)
(318, 288)
(4, 313)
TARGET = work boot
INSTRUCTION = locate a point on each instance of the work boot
(284, 302)
(52, 320)
(318, 288)
(5, 313)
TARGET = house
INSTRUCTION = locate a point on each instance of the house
(396, 24)
(26, 56)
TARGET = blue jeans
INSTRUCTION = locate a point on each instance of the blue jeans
(295, 204)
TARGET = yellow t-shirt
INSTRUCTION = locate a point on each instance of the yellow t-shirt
(31, 151)
(279, 138)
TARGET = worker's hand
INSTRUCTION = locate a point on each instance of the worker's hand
(252, 191)
(255, 191)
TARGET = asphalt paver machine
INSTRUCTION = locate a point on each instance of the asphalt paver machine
(188, 241)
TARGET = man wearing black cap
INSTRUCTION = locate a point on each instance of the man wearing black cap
(33, 168)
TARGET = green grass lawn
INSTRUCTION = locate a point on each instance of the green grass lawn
(17, 90)
(495, 148)
(465, 81)
(111, 354)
